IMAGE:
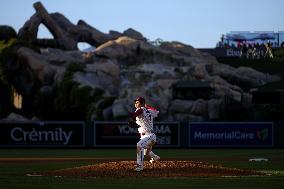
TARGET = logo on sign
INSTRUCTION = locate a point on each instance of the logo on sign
(158, 129)
(262, 134)
(56, 135)
(223, 135)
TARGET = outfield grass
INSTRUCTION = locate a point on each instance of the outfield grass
(13, 174)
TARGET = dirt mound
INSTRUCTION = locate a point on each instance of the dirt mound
(122, 169)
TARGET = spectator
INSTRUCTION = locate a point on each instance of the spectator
(244, 51)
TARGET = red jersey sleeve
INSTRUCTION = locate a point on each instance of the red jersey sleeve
(137, 113)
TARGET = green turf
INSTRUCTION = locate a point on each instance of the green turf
(13, 175)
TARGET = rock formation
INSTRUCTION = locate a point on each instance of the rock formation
(66, 35)
(101, 85)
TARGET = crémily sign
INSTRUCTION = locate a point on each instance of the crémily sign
(56, 135)
(230, 134)
(42, 134)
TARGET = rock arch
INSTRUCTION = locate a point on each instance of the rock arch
(67, 35)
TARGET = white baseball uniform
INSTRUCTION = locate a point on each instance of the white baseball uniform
(144, 119)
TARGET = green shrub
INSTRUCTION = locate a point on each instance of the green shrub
(279, 52)
(72, 101)
(4, 46)
(98, 106)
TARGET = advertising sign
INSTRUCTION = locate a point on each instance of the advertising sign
(245, 134)
(42, 134)
(118, 134)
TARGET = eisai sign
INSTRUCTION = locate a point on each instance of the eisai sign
(42, 134)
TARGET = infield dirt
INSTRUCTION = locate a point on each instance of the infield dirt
(125, 169)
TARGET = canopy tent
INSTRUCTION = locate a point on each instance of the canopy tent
(265, 36)
(236, 37)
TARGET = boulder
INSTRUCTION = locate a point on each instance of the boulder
(38, 64)
(214, 109)
(30, 29)
(60, 57)
(120, 48)
(187, 117)
(180, 48)
(134, 34)
(198, 107)
(7, 32)
(98, 80)
(15, 117)
(243, 76)
(120, 110)
(104, 65)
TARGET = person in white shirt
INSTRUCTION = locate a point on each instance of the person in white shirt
(144, 115)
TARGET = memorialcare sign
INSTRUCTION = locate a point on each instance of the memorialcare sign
(118, 134)
(230, 134)
(42, 134)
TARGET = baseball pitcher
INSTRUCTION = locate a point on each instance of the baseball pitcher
(142, 119)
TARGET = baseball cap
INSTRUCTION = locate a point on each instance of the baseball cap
(140, 99)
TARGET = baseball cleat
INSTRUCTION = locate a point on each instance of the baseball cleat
(155, 158)
(138, 168)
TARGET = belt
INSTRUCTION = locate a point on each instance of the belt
(145, 134)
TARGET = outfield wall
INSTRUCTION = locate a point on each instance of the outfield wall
(67, 134)
(279, 135)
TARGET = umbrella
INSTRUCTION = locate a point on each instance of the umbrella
(265, 36)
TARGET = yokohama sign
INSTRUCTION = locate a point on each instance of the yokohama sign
(118, 134)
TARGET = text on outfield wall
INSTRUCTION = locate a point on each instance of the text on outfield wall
(56, 135)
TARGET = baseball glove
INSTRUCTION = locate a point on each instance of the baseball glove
(132, 123)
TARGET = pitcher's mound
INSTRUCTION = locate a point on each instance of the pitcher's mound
(157, 169)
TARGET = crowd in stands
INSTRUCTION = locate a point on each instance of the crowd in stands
(256, 51)
(251, 50)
